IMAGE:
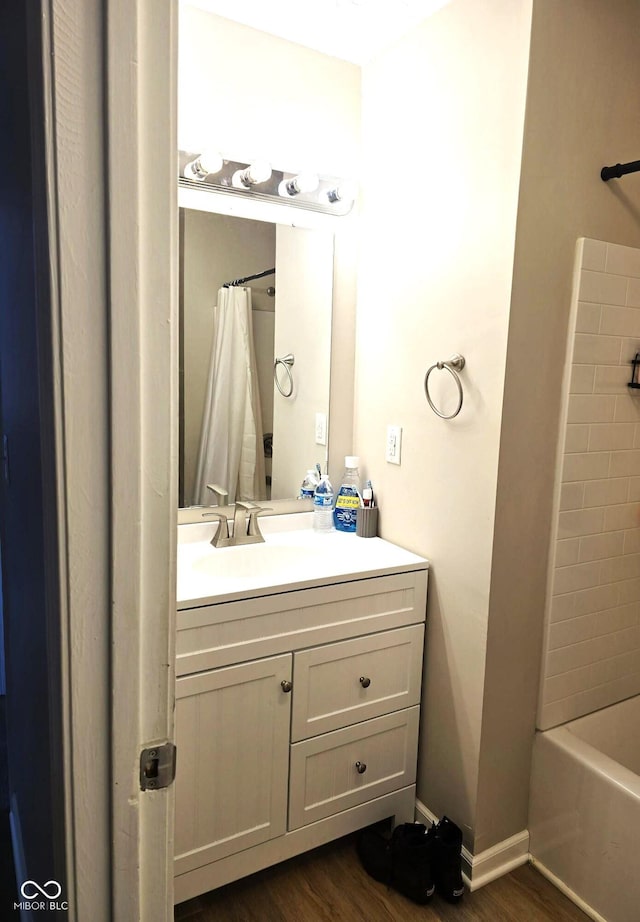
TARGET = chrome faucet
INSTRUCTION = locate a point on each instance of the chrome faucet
(247, 532)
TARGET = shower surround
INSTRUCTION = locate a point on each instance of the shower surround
(591, 655)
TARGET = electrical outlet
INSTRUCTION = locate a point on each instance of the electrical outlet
(394, 444)
(321, 428)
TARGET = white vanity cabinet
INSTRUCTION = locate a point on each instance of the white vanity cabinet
(296, 721)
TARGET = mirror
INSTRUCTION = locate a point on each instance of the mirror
(247, 427)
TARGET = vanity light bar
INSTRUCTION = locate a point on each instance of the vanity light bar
(327, 194)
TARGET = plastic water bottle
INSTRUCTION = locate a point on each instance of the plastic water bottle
(309, 485)
(323, 505)
(348, 498)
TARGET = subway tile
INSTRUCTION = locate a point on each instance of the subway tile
(628, 591)
(611, 436)
(571, 631)
(572, 494)
(562, 607)
(616, 518)
(631, 544)
(620, 260)
(580, 522)
(602, 287)
(619, 321)
(611, 379)
(554, 713)
(589, 349)
(567, 552)
(598, 599)
(582, 379)
(569, 683)
(634, 490)
(576, 438)
(591, 408)
(588, 317)
(636, 436)
(579, 576)
(594, 254)
(633, 293)
(625, 463)
(597, 547)
(627, 408)
(614, 619)
(615, 569)
(592, 465)
(607, 492)
(577, 655)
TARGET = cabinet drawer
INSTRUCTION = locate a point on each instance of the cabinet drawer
(342, 683)
(324, 775)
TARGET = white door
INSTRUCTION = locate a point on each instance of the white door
(109, 74)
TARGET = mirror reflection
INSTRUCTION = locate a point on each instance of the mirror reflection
(254, 357)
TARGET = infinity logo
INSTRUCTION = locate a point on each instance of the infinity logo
(51, 889)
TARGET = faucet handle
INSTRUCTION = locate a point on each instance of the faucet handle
(221, 537)
(254, 512)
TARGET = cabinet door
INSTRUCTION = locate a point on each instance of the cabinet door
(232, 734)
(343, 683)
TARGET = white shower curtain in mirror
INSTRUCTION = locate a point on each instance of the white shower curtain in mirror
(231, 449)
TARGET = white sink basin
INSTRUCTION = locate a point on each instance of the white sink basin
(251, 561)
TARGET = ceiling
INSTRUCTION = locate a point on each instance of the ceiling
(354, 30)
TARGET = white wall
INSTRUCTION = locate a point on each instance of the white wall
(444, 110)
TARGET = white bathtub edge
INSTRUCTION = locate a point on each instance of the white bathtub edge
(479, 870)
(568, 892)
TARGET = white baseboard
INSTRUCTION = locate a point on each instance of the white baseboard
(19, 865)
(494, 862)
(568, 892)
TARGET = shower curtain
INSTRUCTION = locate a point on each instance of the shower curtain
(231, 450)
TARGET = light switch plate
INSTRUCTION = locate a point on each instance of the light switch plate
(394, 444)
(321, 428)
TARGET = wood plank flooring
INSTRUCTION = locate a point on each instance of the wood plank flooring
(329, 885)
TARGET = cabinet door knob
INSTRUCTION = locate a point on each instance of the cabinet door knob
(286, 685)
(361, 767)
(365, 681)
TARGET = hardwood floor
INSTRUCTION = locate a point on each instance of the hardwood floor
(329, 885)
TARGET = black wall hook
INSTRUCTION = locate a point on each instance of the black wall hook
(619, 170)
(634, 371)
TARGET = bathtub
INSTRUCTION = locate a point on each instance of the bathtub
(584, 821)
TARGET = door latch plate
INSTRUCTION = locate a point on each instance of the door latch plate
(157, 767)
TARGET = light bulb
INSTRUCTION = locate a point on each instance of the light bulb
(204, 164)
(303, 182)
(257, 172)
(345, 191)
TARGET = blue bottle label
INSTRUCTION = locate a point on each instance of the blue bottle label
(346, 510)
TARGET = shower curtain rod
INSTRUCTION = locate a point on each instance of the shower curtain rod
(620, 169)
(249, 278)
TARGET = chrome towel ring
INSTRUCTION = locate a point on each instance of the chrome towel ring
(453, 365)
(286, 361)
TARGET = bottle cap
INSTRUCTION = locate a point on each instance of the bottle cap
(352, 461)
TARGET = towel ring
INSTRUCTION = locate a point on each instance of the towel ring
(286, 361)
(453, 365)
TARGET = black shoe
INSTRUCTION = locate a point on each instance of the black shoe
(374, 851)
(447, 860)
(411, 846)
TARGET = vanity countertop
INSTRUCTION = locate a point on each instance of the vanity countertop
(292, 557)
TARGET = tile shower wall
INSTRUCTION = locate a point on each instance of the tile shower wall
(592, 638)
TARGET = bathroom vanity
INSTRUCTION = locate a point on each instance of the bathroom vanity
(299, 666)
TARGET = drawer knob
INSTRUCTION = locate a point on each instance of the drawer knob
(361, 767)
(365, 681)
(286, 685)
